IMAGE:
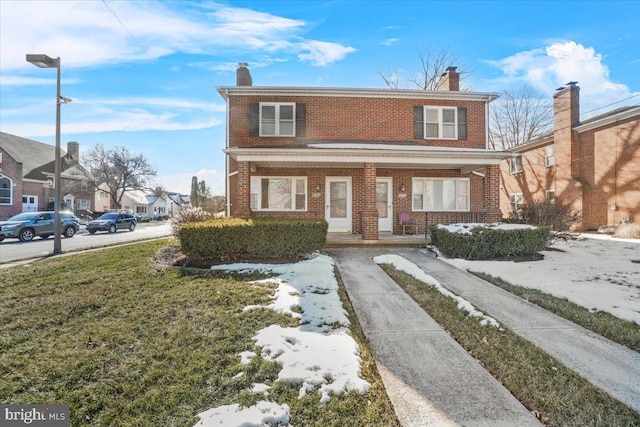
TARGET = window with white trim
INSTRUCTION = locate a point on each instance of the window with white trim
(550, 196)
(278, 193)
(515, 164)
(549, 155)
(84, 205)
(440, 122)
(6, 190)
(277, 119)
(440, 194)
(515, 202)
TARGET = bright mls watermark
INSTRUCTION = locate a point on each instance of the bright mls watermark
(34, 415)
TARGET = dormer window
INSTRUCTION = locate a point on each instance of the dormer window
(277, 119)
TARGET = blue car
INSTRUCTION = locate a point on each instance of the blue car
(27, 225)
(112, 222)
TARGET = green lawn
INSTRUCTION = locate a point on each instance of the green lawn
(126, 342)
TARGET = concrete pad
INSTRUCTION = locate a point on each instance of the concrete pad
(429, 377)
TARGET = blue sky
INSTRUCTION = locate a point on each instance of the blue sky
(143, 73)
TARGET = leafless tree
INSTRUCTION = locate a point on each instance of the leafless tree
(119, 169)
(521, 114)
(431, 65)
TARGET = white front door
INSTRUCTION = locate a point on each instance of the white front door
(384, 203)
(338, 203)
(29, 203)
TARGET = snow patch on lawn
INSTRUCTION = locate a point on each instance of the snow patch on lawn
(319, 354)
(410, 268)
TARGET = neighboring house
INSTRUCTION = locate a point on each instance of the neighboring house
(135, 201)
(27, 175)
(103, 201)
(360, 157)
(594, 164)
(176, 202)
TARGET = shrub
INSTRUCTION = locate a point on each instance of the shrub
(257, 237)
(188, 215)
(486, 242)
(628, 231)
(557, 214)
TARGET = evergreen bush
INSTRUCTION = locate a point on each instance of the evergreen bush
(487, 242)
(255, 237)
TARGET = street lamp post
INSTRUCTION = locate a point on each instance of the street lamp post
(44, 61)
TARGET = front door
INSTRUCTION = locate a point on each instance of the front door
(29, 203)
(338, 204)
(384, 198)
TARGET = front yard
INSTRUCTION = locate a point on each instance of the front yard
(125, 341)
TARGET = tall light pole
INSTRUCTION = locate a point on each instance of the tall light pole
(44, 61)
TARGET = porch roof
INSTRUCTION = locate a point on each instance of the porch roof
(354, 154)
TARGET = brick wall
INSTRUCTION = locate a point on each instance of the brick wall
(354, 119)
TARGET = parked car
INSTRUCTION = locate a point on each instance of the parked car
(27, 225)
(112, 222)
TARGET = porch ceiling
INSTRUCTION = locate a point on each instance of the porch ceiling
(384, 156)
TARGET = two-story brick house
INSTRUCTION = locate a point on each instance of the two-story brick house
(594, 165)
(360, 157)
(27, 175)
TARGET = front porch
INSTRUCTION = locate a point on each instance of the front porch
(384, 239)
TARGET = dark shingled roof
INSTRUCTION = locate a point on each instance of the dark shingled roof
(37, 158)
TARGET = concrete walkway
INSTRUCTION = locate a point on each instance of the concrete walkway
(429, 377)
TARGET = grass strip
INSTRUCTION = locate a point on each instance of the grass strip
(126, 342)
(622, 331)
(557, 395)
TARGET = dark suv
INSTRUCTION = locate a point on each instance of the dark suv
(27, 225)
(112, 222)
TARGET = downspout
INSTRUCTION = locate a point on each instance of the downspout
(226, 156)
(486, 130)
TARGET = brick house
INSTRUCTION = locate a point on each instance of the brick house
(27, 175)
(360, 157)
(594, 164)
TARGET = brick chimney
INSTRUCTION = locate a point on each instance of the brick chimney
(449, 80)
(73, 151)
(243, 76)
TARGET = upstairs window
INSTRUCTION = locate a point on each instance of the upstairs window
(6, 193)
(515, 164)
(549, 155)
(277, 119)
(440, 122)
(278, 193)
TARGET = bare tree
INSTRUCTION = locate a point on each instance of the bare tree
(431, 65)
(119, 169)
(521, 114)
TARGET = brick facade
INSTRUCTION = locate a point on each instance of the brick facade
(361, 117)
(596, 169)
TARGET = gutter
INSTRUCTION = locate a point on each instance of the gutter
(226, 157)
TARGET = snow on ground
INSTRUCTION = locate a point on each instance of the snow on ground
(465, 228)
(596, 273)
(319, 354)
(410, 268)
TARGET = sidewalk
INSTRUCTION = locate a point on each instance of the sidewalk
(608, 365)
(429, 377)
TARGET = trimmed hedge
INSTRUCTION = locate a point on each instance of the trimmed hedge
(255, 237)
(488, 243)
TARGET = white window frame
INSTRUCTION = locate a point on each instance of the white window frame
(278, 121)
(515, 164)
(515, 202)
(462, 192)
(84, 204)
(549, 155)
(440, 122)
(10, 188)
(256, 193)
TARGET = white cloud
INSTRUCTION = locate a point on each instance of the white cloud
(555, 65)
(389, 42)
(86, 33)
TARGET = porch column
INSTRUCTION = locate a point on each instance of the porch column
(243, 196)
(491, 211)
(370, 211)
